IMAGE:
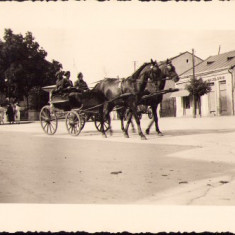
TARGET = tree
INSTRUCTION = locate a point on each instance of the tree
(23, 65)
(198, 88)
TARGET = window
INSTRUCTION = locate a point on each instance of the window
(230, 57)
(210, 62)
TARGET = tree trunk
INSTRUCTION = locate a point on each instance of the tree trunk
(27, 100)
(199, 106)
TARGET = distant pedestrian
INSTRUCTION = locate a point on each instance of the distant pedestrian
(17, 113)
(1, 115)
(10, 114)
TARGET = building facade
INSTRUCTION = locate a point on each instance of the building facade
(219, 72)
(182, 62)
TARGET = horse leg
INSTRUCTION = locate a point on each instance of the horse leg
(134, 112)
(121, 116)
(101, 114)
(129, 118)
(155, 116)
(110, 126)
(133, 126)
(147, 131)
(107, 108)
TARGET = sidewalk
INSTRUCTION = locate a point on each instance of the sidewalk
(21, 122)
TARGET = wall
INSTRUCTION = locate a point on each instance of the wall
(184, 62)
(220, 90)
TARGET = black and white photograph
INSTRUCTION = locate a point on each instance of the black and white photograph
(117, 116)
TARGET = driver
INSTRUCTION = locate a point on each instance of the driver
(80, 84)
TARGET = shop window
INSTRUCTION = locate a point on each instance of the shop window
(186, 102)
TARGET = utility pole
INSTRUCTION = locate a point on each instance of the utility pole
(194, 98)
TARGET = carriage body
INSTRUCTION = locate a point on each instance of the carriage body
(60, 107)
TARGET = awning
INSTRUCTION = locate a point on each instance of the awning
(179, 93)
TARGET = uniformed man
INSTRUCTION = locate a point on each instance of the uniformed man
(80, 84)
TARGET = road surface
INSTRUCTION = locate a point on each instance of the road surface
(192, 164)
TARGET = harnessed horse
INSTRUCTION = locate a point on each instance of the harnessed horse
(129, 91)
(167, 73)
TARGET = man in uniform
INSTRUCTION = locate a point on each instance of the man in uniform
(59, 76)
(63, 82)
(67, 81)
(80, 84)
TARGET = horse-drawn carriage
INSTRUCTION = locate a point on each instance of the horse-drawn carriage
(144, 87)
(61, 107)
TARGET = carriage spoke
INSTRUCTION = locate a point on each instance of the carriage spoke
(106, 125)
(50, 128)
(53, 124)
(44, 127)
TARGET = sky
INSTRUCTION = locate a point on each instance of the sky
(103, 39)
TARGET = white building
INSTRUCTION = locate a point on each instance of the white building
(182, 62)
(219, 71)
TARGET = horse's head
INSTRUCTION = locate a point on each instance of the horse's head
(168, 71)
(154, 71)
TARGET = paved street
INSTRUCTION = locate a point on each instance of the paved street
(192, 164)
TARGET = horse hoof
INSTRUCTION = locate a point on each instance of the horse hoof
(111, 132)
(147, 131)
(143, 137)
(160, 134)
(104, 136)
(126, 135)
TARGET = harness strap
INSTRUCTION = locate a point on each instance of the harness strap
(120, 86)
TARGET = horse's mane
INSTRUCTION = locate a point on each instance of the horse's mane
(136, 74)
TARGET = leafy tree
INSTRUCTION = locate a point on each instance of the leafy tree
(37, 98)
(23, 65)
(198, 88)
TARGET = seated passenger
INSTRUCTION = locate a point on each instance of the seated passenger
(67, 82)
(63, 82)
(59, 76)
(80, 84)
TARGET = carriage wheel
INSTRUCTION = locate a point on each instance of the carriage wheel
(98, 124)
(48, 120)
(74, 123)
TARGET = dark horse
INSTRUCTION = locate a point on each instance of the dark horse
(167, 73)
(90, 102)
(127, 92)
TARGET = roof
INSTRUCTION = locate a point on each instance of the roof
(213, 63)
(172, 58)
